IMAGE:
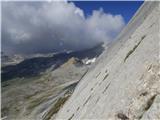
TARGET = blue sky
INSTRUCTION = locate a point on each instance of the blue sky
(125, 8)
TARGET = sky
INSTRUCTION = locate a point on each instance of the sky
(125, 8)
(45, 27)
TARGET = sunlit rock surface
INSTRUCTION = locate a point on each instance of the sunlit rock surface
(124, 83)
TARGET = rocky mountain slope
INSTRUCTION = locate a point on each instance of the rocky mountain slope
(8, 60)
(37, 87)
(124, 83)
(34, 66)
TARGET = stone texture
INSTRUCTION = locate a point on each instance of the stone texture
(124, 82)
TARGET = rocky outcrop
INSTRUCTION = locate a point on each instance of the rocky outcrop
(124, 82)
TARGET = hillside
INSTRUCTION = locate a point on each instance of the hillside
(36, 87)
(124, 81)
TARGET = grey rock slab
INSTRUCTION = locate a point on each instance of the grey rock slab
(115, 86)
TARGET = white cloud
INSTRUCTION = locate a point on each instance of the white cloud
(37, 27)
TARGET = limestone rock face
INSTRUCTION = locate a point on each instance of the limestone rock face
(124, 83)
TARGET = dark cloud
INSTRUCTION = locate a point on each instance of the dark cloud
(42, 27)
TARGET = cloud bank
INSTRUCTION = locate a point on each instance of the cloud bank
(42, 27)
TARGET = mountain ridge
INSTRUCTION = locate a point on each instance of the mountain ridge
(36, 65)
